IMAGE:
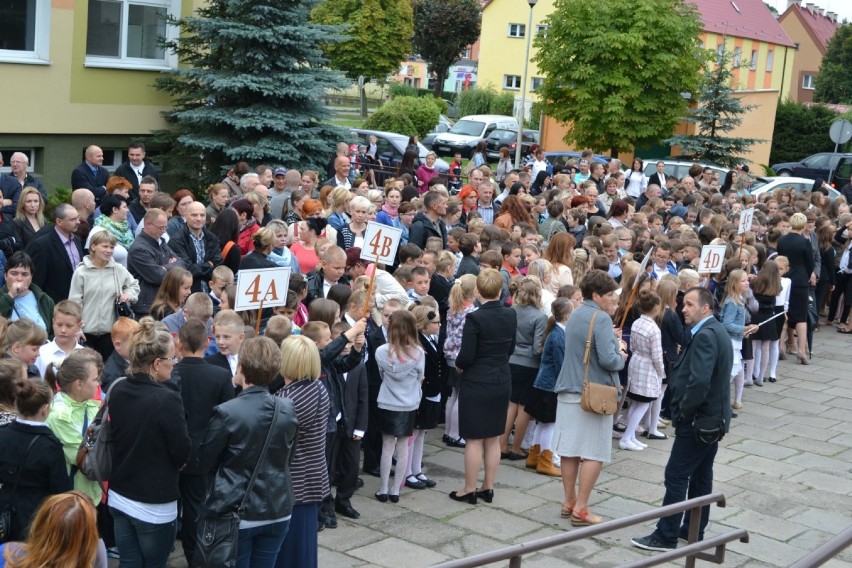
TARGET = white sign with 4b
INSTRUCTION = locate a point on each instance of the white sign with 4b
(380, 243)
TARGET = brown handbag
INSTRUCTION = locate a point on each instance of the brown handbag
(596, 398)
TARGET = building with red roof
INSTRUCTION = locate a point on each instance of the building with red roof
(810, 28)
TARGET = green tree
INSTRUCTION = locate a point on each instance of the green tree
(834, 82)
(250, 87)
(615, 70)
(800, 130)
(421, 114)
(442, 29)
(717, 112)
(379, 37)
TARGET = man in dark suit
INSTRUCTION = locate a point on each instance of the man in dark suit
(136, 168)
(56, 252)
(341, 172)
(659, 177)
(203, 386)
(700, 385)
(355, 409)
(185, 246)
(91, 174)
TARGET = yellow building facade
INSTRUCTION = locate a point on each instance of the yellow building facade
(82, 73)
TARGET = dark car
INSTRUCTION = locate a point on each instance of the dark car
(509, 138)
(817, 166)
(390, 148)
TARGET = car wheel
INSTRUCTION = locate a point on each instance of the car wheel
(784, 173)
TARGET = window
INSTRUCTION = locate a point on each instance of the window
(753, 64)
(738, 55)
(512, 82)
(720, 50)
(127, 34)
(541, 30)
(25, 31)
(770, 59)
(517, 30)
(808, 82)
(7, 158)
(536, 83)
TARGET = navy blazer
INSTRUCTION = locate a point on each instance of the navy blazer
(53, 268)
(82, 176)
(701, 377)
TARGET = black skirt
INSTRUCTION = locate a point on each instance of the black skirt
(427, 415)
(452, 377)
(396, 423)
(798, 310)
(640, 398)
(541, 405)
(768, 331)
(482, 409)
(522, 382)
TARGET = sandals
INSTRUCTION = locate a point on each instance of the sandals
(845, 331)
(584, 518)
(566, 511)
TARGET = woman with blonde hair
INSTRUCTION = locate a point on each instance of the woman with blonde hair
(300, 367)
(560, 254)
(800, 256)
(64, 533)
(337, 215)
(263, 241)
(261, 207)
(29, 216)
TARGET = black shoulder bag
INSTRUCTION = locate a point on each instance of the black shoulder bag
(218, 534)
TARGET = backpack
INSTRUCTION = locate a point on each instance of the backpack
(94, 456)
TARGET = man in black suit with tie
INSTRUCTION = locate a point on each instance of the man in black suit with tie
(136, 168)
(658, 177)
(56, 252)
(91, 174)
(701, 413)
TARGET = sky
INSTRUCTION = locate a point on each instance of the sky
(843, 8)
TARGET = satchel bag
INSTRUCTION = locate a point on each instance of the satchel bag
(122, 309)
(8, 510)
(596, 398)
(218, 533)
(708, 430)
(94, 456)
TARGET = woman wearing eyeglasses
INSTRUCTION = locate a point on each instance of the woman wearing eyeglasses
(150, 445)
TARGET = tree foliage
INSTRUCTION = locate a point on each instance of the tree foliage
(800, 130)
(717, 112)
(250, 87)
(442, 29)
(615, 70)
(421, 114)
(379, 35)
(834, 82)
(484, 100)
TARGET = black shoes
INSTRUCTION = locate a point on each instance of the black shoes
(328, 520)
(429, 482)
(393, 498)
(382, 497)
(469, 498)
(346, 511)
(772, 379)
(651, 542)
(453, 442)
(413, 483)
(486, 495)
(359, 483)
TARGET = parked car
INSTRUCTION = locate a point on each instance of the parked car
(509, 138)
(680, 168)
(562, 158)
(469, 131)
(817, 166)
(768, 185)
(444, 125)
(390, 148)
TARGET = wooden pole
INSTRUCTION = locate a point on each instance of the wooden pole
(366, 311)
(259, 316)
(742, 244)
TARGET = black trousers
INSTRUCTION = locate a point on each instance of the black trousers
(192, 495)
(373, 437)
(348, 458)
(101, 343)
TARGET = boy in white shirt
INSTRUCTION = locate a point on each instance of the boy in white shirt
(67, 327)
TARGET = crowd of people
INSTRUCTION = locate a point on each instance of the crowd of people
(511, 290)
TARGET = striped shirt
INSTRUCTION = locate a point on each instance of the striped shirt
(308, 469)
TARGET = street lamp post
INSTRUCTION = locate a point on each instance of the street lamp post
(522, 110)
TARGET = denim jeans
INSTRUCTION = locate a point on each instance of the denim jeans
(141, 544)
(259, 546)
(689, 474)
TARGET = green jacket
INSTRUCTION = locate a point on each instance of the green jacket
(66, 421)
(44, 302)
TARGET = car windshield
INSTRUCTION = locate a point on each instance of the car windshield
(468, 128)
(759, 182)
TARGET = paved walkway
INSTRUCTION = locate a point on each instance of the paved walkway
(784, 468)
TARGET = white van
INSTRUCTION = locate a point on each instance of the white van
(470, 131)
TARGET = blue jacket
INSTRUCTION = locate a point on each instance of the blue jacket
(551, 360)
(733, 317)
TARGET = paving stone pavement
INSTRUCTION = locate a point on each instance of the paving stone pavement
(785, 469)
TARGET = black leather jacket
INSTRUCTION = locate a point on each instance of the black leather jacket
(232, 447)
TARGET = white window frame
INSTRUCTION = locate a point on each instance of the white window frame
(169, 61)
(40, 54)
(7, 156)
(753, 63)
(738, 56)
(512, 87)
(535, 83)
(770, 60)
(541, 29)
(808, 82)
(520, 30)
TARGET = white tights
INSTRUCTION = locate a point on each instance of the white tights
(761, 357)
(543, 435)
(388, 444)
(415, 465)
(772, 363)
(451, 415)
(634, 416)
(654, 414)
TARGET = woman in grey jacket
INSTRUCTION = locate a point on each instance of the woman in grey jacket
(96, 284)
(580, 435)
(524, 361)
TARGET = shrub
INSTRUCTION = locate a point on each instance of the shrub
(421, 112)
(390, 120)
(402, 90)
(485, 100)
(800, 131)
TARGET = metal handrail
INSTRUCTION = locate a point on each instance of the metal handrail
(825, 552)
(692, 551)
